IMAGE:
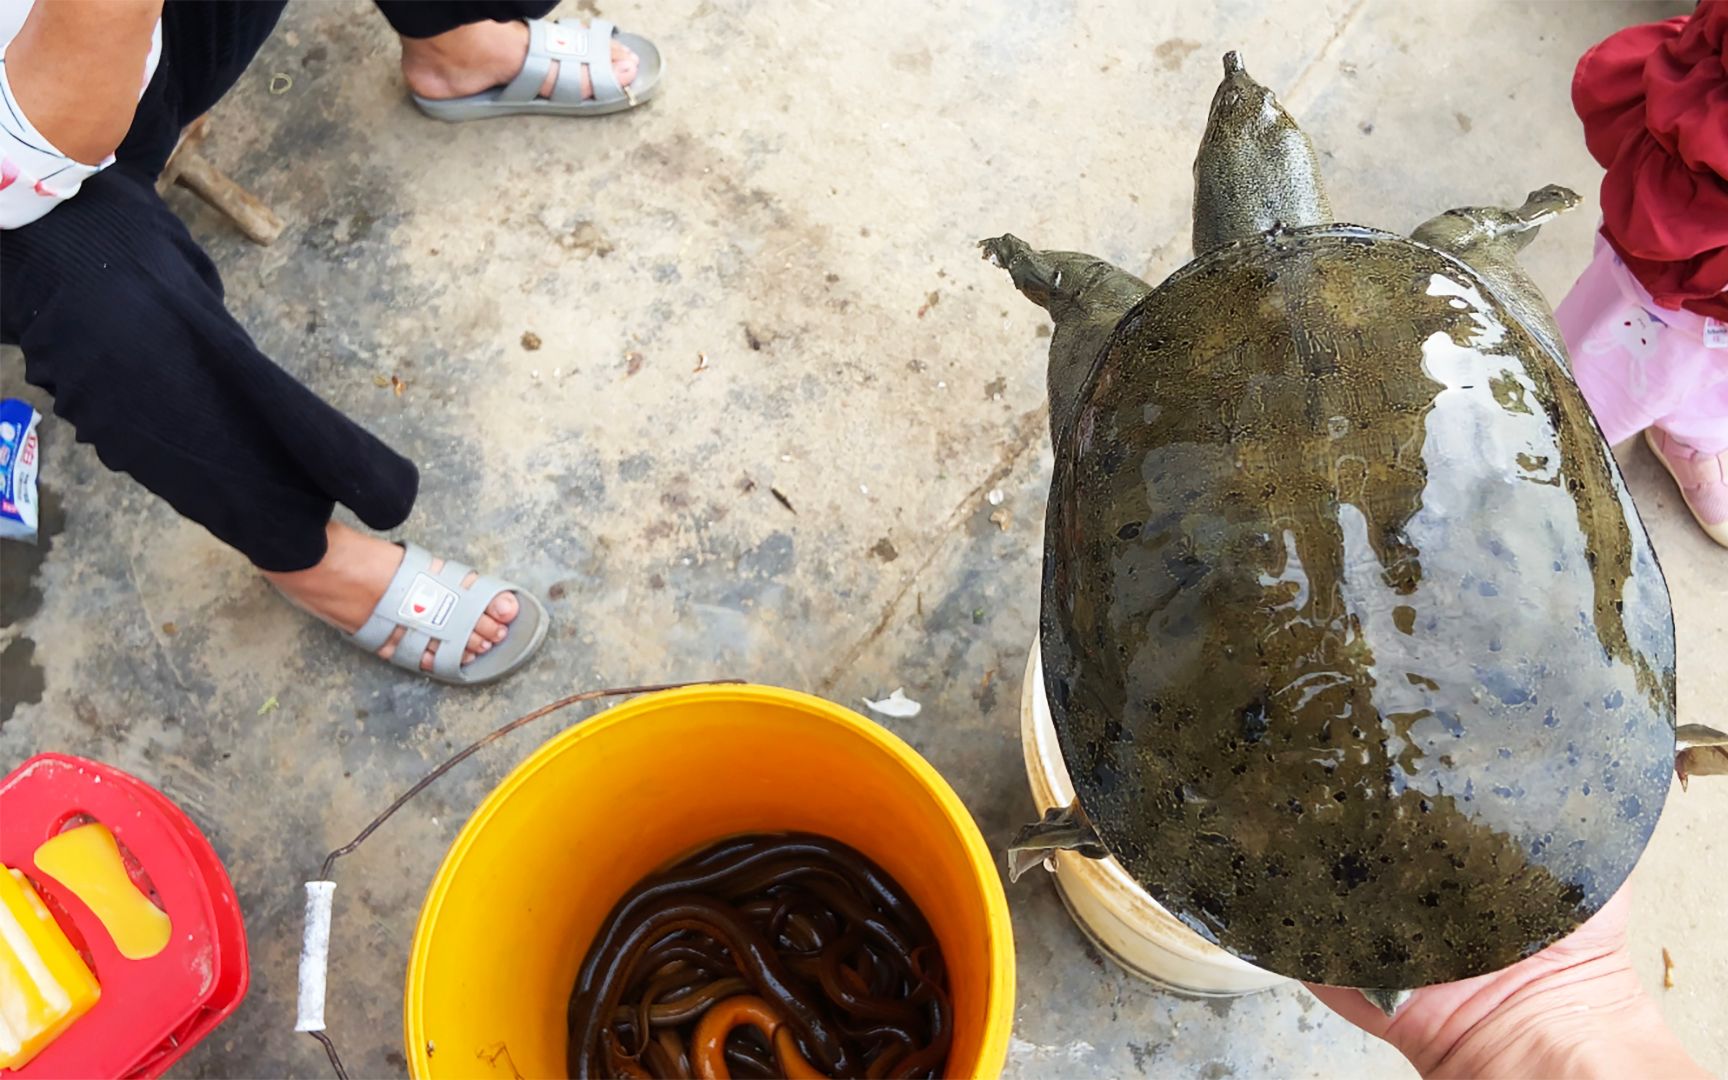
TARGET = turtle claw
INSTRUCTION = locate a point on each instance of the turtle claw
(1387, 1001)
(1037, 274)
(1021, 863)
(1004, 251)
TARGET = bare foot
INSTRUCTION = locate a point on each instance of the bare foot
(345, 586)
(474, 58)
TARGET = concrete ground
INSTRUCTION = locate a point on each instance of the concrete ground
(800, 209)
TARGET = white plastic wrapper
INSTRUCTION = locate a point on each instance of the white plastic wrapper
(896, 705)
(20, 454)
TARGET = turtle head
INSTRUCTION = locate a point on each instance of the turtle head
(1256, 169)
(1241, 104)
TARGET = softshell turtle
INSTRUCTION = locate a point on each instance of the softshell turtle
(1358, 655)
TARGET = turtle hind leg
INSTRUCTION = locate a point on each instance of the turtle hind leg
(1488, 240)
(1699, 751)
(1063, 829)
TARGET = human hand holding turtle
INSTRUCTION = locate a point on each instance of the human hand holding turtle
(1575, 1009)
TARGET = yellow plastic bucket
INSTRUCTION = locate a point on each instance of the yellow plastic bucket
(600, 806)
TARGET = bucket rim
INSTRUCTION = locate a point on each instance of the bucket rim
(999, 1010)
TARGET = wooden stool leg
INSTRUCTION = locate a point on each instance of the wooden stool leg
(257, 221)
(188, 167)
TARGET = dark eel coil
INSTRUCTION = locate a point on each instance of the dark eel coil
(785, 955)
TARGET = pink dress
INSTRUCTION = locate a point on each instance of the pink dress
(1641, 365)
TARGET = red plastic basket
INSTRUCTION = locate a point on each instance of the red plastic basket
(151, 1011)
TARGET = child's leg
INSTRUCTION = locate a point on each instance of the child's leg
(1701, 420)
(1611, 341)
(1692, 439)
(1702, 479)
(1643, 368)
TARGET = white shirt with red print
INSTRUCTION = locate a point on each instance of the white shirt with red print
(35, 177)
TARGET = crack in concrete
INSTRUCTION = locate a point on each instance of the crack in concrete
(1292, 95)
(1027, 431)
(150, 622)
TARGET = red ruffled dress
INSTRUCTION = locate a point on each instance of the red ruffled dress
(1647, 323)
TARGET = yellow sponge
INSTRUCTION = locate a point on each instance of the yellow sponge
(87, 861)
(44, 984)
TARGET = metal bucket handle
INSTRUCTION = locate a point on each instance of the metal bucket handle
(315, 937)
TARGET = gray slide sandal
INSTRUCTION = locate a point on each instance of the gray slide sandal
(435, 607)
(572, 47)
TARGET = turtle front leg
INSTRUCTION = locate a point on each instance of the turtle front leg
(1495, 231)
(1489, 238)
(1085, 296)
(1037, 274)
(1070, 285)
(1546, 203)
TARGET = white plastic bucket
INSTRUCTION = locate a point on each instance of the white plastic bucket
(1124, 922)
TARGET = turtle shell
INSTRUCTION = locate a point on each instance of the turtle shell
(1357, 650)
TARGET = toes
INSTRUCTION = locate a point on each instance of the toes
(504, 608)
(487, 633)
(388, 649)
(625, 63)
(473, 652)
(492, 626)
(489, 630)
(431, 656)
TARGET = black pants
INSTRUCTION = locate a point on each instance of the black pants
(120, 316)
